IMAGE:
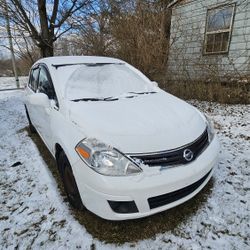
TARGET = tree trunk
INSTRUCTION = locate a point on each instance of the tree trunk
(46, 35)
(47, 51)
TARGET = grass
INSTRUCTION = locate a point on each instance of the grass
(229, 93)
(132, 230)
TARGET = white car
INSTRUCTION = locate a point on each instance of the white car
(124, 147)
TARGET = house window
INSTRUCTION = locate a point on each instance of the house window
(218, 29)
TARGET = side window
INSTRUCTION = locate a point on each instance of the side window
(44, 84)
(33, 82)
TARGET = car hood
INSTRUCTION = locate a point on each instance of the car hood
(143, 124)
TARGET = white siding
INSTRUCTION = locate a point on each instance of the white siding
(186, 60)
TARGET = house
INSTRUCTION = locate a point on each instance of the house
(209, 41)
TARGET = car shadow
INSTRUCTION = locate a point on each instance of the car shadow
(119, 232)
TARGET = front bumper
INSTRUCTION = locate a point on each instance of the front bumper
(96, 190)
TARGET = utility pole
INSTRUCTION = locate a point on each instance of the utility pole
(11, 44)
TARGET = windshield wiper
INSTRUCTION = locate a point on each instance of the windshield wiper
(95, 99)
(111, 98)
(86, 99)
(86, 64)
(143, 93)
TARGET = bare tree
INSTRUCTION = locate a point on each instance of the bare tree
(141, 31)
(134, 30)
(94, 29)
(44, 21)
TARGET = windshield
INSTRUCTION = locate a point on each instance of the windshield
(102, 81)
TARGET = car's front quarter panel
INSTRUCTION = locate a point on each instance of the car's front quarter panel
(67, 135)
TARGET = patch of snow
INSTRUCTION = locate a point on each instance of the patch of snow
(9, 82)
(34, 215)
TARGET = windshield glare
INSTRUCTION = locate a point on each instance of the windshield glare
(111, 80)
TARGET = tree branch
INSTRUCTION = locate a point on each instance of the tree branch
(25, 17)
(54, 13)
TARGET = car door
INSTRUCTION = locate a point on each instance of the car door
(31, 89)
(46, 114)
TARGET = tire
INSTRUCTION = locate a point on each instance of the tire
(69, 182)
(31, 127)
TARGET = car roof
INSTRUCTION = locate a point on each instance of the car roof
(59, 60)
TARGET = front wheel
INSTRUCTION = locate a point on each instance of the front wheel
(69, 182)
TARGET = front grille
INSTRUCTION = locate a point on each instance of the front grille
(175, 156)
(165, 199)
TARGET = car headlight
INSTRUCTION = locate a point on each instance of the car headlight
(210, 129)
(105, 159)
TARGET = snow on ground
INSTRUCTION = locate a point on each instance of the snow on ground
(34, 213)
(9, 82)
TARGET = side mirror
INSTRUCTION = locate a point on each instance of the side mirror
(155, 84)
(39, 99)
